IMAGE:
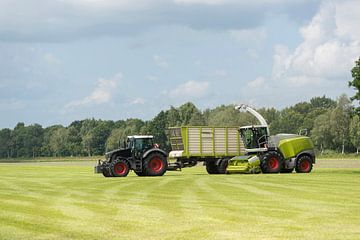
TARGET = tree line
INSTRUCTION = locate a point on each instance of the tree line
(333, 125)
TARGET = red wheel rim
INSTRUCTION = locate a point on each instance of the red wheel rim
(305, 166)
(273, 163)
(156, 165)
(120, 168)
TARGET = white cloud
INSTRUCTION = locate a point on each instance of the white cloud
(190, 90)
(137, 101)
(160, 61)
(259, 82)
(328, 50)
(101, 94)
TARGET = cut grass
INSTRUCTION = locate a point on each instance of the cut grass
(66, 201)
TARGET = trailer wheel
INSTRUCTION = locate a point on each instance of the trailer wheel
(155, 165)
(304, 164)
(222, 166)
(271, 162)
(120, 168)
(212, 167)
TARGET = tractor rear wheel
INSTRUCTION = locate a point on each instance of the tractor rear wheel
(212, 167)
(271, 162)
(120, 168)
(304, 164)
(155, 165)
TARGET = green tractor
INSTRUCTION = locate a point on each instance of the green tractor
(281, 153)
(139, 153)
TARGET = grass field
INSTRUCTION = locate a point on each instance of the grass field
(67, 201)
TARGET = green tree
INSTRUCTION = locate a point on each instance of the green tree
(115, 139)
(322, 133)
(74, 139)
(18, 140)
(157, 127)
(99, 136)
(58, 142)
(173, 117)
(33, 140)
(5, 143)
(355, 132)
(355, 83)
(340, 121)
(186, 112)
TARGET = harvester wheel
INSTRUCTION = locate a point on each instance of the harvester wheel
(304, 164)
(223, 165)
(212, 167)
(155, 165)
(271, 162)
(119, 168)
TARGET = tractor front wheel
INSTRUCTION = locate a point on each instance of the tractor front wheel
(106, 170)
(304, 164)
(155, 165)
(120, 168)
(271, 162)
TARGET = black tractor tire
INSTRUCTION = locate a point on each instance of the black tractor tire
(119, 168)
(212, 167)
(271, 162)
(304, 164)
(287, 170)
(106, 170)
(155, 165)
(222, 165)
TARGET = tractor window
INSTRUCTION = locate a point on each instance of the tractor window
(143, 143)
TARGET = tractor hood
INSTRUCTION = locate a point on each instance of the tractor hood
(119, 151)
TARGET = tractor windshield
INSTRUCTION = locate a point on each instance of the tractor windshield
(143, 143)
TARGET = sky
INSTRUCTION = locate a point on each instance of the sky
(67, 60)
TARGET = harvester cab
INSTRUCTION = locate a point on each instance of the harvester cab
(255, 137)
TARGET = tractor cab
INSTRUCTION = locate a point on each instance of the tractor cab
(255, 138)
(140, 143)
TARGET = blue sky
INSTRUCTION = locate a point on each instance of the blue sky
(66, 60)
